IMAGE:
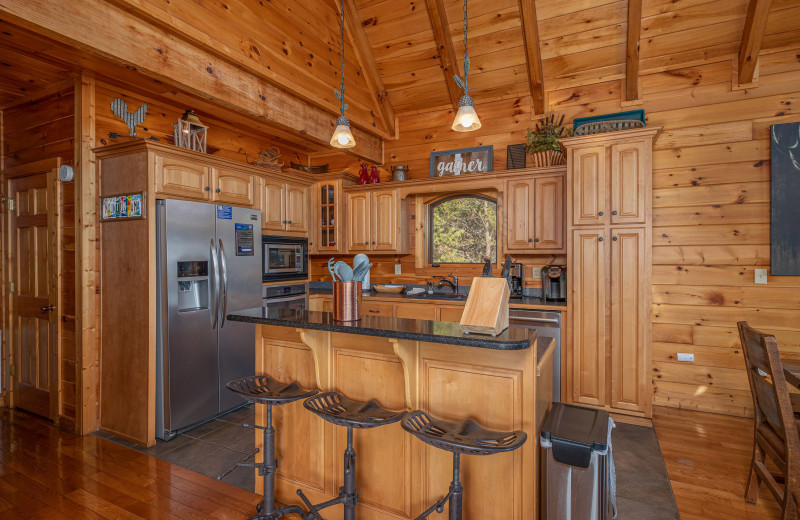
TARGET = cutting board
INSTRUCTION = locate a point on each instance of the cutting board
(486, 310)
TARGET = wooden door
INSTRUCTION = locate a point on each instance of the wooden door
(273, 206)
(182, 178)
(358, 221)
(385, 230)
(588, 186)
(34, 317)
(589, 316)
(232, 187)
(629, 317)
(548, 209)
(519, 214)
(297, 208)
(628, 183)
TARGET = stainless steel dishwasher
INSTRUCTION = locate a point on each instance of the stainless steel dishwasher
(548, 325)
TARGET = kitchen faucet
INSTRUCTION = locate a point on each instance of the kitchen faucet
(452, 283)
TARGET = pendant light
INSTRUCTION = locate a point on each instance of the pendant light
(466, 118)
(342, 136)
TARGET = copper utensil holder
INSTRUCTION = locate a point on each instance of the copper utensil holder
(346, 301)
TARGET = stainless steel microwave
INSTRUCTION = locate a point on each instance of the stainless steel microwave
(284, 258)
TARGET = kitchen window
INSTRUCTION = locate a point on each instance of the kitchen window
(463, 230)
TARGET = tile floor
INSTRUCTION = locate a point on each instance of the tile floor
(643, 488)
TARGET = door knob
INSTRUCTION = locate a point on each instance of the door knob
(48, 308)
(600, 213)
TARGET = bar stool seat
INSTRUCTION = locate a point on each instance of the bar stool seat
(265, 390)
(467, 437)
(339, 410)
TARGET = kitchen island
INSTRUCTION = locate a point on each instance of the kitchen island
(503, 382)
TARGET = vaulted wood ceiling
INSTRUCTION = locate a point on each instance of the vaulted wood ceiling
(401, 53)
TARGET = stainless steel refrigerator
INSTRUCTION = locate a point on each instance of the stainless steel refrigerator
(209, 264)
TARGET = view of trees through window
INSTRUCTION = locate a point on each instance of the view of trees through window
(463, 230)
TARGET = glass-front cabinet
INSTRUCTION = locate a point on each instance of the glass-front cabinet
(328, 233)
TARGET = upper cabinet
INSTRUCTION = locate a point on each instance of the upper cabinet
(328, 224)
(629, 183)
(183, 178)
(375, 221)
(233, 187)
(588, 199)
(285, 207)
(535, 214)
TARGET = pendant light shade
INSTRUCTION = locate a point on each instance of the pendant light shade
(466, 118)
(342, 136)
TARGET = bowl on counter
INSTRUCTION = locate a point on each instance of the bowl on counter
(386, 288)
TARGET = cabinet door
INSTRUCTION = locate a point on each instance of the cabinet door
(385, 230)
(628, 183)
(589, 319)
(588, 186)
(182, 178)
(297, 206)
(273, 208)
(232, 187)
(414, 311)
(519, 214)
(328, 221)
(548, 208)
(358, 218)
(376, 309)
(628, 320)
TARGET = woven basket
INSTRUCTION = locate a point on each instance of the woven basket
(546, 158)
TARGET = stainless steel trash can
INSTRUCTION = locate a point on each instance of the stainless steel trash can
(578, 469)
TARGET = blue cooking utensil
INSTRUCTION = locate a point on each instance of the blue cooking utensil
(330, 269)
(343, 271)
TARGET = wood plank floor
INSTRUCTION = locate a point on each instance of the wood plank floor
(708, 458)
(47, 473)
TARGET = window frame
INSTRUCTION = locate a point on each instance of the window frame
(429, 217)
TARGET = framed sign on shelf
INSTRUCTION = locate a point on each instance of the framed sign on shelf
(462, 161)
(122, 207)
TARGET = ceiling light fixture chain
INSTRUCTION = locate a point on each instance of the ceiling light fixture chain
(342, 135)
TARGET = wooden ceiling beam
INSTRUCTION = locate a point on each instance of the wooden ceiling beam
(126, 40)
(444, 44)
(632, 50)
(369, 67)
(753, 35)
(530, 31)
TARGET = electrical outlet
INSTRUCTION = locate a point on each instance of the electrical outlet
(689, 358)
(398, 269)
(537, 273)
(761, 276)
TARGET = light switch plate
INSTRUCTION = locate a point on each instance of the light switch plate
(689, 358)
(537, 273)
(761, 276)
(398, 269)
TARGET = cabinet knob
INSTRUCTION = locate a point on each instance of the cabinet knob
(374, 311)
(614, 239)
(530, 240)
(373, 242)
(600, 213)
(536, 240)
(289, 222)
(366, 243)
(284, 222)
(208, 188)
(614, 212)
(600, 239)
(218, 190)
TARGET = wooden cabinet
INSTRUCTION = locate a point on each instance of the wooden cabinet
(535, 214)
(449, 312)
(375, 222)
(284, 207)
(233, 187)
(183, 178)
(377, 309)
(609, 269)
(327, 224)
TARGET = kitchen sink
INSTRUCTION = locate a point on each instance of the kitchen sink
(440, 296)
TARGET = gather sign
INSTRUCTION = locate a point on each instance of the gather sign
(462, 161)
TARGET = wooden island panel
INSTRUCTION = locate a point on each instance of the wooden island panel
(398, 476)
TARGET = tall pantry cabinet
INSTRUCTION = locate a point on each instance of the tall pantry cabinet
(609, 243)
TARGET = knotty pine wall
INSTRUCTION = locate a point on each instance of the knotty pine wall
(711, 210)
(38, 129)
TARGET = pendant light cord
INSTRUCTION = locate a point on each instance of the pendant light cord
(466, 56)
(341, 46)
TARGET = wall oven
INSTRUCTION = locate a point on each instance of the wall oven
(285, 297)
(284, 258)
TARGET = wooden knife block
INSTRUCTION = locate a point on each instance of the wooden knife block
(486, 310)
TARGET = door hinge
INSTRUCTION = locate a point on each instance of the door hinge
(11, 204)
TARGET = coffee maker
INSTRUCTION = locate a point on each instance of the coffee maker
(515, 279)
(554, 283)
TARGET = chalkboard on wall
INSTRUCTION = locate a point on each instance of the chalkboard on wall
(785, 173)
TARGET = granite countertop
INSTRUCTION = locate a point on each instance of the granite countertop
(443, 297)
(513, 338)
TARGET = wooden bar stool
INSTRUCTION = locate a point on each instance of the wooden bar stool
(338, 409)
(467, 437)
(267, 391)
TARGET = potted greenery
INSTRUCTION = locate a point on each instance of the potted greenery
(543, 146)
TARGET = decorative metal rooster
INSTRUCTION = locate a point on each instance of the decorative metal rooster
(132, 119)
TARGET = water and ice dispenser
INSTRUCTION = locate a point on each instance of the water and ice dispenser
(192, 285)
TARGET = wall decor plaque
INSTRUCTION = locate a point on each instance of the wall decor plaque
(785, 180)
(122, 207)
(462, 161)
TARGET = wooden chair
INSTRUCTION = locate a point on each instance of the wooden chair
(775, 428)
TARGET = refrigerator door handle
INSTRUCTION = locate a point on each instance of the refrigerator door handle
(214, 311)
(224, 266)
